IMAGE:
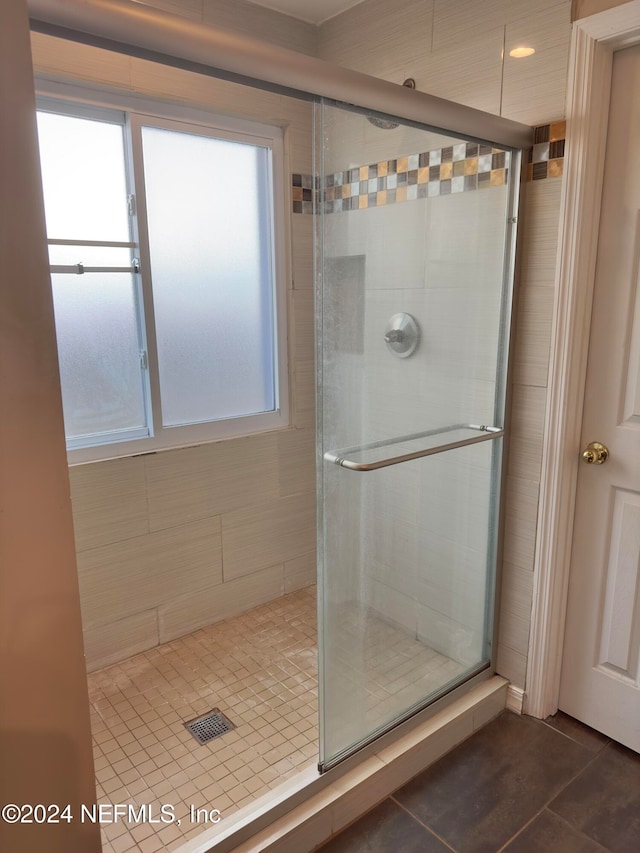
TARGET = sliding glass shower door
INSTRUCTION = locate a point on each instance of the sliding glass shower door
(414, 258)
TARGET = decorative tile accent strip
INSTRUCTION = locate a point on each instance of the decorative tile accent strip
(302, 193)
(546, 158)
(457, 168)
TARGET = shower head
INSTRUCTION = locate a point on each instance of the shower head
(386, 123)
(382, 123)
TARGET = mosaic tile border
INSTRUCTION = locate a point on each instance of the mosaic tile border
(546, 158)
(456, 168)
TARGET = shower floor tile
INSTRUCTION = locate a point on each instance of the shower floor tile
(376, 670)
(259, 668)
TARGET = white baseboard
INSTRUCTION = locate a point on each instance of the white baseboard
(515, 699)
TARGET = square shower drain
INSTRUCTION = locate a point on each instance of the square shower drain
(209, 726)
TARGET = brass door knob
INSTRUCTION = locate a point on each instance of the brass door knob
(595, 453)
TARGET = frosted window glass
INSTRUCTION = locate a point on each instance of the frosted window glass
(83, 177)
(210, 245)
(90, 256)
(99, 353)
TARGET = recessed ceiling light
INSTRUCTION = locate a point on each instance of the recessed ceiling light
(520, 52)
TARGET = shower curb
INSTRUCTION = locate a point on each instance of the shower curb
(304, 813)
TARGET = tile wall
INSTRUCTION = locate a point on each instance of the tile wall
(456, 168)
(172, 541)
(584, 8)
(246, 18)
(420, 531)
(454, 49)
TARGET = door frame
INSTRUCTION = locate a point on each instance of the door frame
(594, 39)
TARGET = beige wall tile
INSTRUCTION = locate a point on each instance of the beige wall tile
(297, 461)
(222, 96)
(273, 532)
(105, 644)
(389, 547)
(517, 591)
(515, 608)
(62, 58)
(109, 502)
(455, 496)
(453, 581)
(584, 8)
(534, 87)
(187, 487)
(303, 318)
(521, 518)
(392, 605)
(302, 239)
(248, 18)
(304, 394)
(377, 235)
(455, 50)
(263, 23)
(189, 612)
(533, 335)
(356, 38)
(185, 8)
(540, 241)
(456, 23)
(468, 72)
(471, 257)
(511, 665)
(300, 573)
(300, 144)
(127, 577)
(514, 631)
(297, 118)
(395, 42)
(301, 580)
(527, 431)
(197, 482)
(460, 642)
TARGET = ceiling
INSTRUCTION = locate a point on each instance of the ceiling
(312, 11)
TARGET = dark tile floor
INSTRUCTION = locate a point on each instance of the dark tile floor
(519, 785)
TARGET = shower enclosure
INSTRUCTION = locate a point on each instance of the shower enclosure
(414, 268)
(415, 238)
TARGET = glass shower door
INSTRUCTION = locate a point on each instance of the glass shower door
(414, 283)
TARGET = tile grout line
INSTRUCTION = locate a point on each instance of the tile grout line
(433, 23)
(550, 800)
(504, 59)
(422, 824)
(575, 829)
(171, 673)
(553, 728)
(537, 814)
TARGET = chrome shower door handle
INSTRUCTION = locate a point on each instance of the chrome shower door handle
(341, 457)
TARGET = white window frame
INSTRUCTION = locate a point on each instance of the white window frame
(142, 111)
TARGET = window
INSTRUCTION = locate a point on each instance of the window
(163, 267)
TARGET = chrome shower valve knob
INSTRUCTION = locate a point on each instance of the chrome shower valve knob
(402, 335)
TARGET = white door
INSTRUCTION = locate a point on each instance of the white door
(601, 665)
